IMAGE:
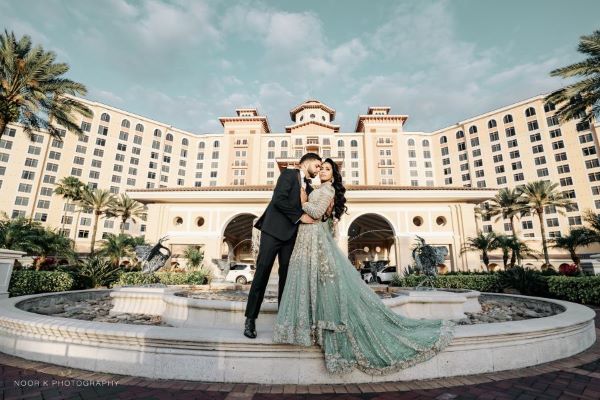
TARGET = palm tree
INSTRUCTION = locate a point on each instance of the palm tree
(20, 234)
(80, 207)
(541, 194)
(506, 204)
(34, 91)
(517, 248)
(69, 188)
(578, 237)
(101, 202)
(580, 99)
(484, 242)
(193, 256)
(127, 208)
(116, 247)
(593, 220)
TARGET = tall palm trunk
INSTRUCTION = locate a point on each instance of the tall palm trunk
(123, 225)
(3, 125)
(486, 260)
(96, 216)
(515, 252)
(574, 257)
(540, 213)
(76, 228)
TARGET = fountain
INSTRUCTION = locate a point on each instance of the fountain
(195, 333)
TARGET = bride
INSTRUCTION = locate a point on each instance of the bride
(325, 301)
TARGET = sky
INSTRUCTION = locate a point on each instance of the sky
(188, 62)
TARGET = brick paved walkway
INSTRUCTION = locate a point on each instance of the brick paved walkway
(577, 377)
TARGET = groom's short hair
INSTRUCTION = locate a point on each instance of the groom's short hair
(309, 157)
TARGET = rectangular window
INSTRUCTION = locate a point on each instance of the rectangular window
(76, 171)
(516, 165)
(519, 177)
(35, 150)
(527, 224)
(515, 154)
(86, 126)
(81, 149)
(21, 201)
(498, 158)
(558, 145)
(475, 142)
(566, 181)
(551, 121)
(560, 157)
(563, 169)
(538, 149)
(510, 132)
(542, 172)
(536, 137)
(501, 180)
(43, 204)
(588, 151)
(594, 177)
(532, 125)
(496, 147)
(552, 222)
(593, 163)
(494, 136)
(476, 152)
(462, 146)
(94, 174)
(27, 175)
(512, 143)
(102, 130)
(540, 160)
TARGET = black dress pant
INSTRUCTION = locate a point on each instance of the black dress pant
(270, 247)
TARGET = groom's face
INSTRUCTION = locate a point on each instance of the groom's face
(313, 168)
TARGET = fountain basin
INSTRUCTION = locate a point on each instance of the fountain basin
(225, 355)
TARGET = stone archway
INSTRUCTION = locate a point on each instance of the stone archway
(237, 238)
(371, 237)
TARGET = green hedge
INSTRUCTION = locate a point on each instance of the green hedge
(168, 278)
(26, 282)
(585, 290)
(482, 283)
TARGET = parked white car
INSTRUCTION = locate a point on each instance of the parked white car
(241, 273)
(384, 275)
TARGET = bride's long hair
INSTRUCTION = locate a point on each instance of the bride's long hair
(339, 202)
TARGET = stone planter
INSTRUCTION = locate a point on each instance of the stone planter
(7, 261)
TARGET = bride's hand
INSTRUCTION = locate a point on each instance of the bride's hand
(329, 209)
(303, 196)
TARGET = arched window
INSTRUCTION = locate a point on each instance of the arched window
(201, 145)
(354, 143)
(340, 143)
(284, 143)
(425, 143)
(216, 144)
(271, 143)
(508, 119)
(169, 137)
(139, 128)
(157, 133)
(411, 142)
(125, 123)
(530, 112)
(460, 134)
(492, 124)
(105, 117)
(184, 142)
(443, 140)
(472, 129)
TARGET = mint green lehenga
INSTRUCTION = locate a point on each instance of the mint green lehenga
(325, 302)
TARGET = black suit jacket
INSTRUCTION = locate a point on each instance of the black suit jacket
(283, 212)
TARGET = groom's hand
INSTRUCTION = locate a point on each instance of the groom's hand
(306, 219)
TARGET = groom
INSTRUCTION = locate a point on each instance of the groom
(279, 225)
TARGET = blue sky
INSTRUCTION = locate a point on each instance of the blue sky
(187, 62)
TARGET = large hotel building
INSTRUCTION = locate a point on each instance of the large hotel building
(205, 190)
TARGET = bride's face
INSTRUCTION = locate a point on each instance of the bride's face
(326, 173)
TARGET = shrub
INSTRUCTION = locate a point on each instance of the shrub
(584, 290)
(99, 271)
(526, 280)
(199, 277)
(480, 282)
(136, 279)
(26, 282)
(568, 269)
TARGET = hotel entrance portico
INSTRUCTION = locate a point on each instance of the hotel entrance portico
(389, 218)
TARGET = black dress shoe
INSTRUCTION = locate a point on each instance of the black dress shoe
(250, 328)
